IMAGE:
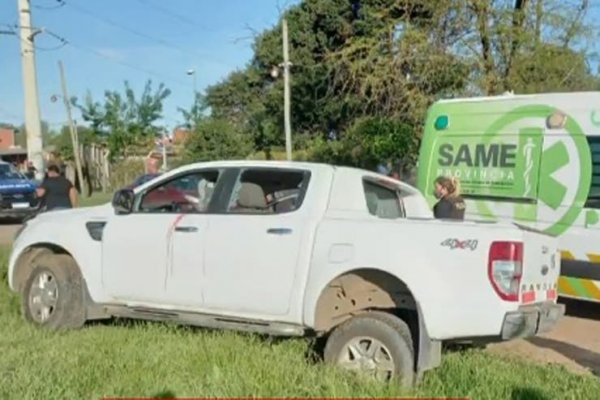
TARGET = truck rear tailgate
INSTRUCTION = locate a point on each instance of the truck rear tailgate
(541, 268)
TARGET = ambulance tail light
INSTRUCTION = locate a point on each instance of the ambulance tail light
(505, 269)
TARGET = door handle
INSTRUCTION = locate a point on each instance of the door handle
(186, 229)
(279, 231)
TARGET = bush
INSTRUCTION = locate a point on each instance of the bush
(217, 139)
(124, 172)
(368, 143)
(373, 141)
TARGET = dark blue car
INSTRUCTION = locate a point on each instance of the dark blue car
(17, 193)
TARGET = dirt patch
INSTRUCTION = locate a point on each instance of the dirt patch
(7, 232)
(574, 343)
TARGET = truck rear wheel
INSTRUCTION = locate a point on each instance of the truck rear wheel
(53, 294)
(377, 344)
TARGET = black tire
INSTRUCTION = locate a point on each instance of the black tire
(386, 328)
(68, 309)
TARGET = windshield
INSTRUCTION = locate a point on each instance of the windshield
(143, 179)
(7, 171)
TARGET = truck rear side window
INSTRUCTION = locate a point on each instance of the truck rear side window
(383, 201)
(593, 200)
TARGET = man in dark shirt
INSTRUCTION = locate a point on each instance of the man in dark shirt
(56, 191)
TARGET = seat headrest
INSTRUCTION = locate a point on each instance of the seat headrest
(251, 195)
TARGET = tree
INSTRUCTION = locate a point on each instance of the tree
(123, 120)
(196, 113)
(64, 145)
(552, 68)
(252, 98)
(390, 59)
(216, 139)
(512, 32)
(370, 142)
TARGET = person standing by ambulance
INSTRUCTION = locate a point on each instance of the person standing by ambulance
(450, 204)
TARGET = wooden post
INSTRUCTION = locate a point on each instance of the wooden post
(73, 130)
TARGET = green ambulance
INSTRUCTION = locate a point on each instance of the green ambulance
(531, 159)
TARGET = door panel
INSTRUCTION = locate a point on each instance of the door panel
(185, 270)
(155, 254)
(251, 262)
(252, 247)
(134, 256)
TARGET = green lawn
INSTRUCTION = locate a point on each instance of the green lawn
(151, 359)
(95, 199)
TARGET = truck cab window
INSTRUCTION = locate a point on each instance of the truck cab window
(189, 193)
(268, 191)
(383, 201)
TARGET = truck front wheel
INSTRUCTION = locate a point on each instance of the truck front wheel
(53, 294)
(375, 343)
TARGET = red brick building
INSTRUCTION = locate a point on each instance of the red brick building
(179, 135)
(7, 138)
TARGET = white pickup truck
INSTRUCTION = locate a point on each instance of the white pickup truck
(293, 249)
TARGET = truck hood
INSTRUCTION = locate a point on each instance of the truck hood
(90, 213)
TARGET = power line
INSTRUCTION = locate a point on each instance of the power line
(114, 24)
(13, 31)
(176, 16)
(64, 42)
(60, 4)
(112, 59)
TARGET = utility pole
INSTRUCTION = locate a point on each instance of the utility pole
(33, 124)
(164, 151)
(72, 129)
(286, 91)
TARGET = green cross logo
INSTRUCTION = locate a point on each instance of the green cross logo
(552, 193)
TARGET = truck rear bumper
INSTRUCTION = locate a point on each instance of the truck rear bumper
(532, 320)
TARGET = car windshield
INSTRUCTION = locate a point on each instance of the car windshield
(7, 171)
(143, 179)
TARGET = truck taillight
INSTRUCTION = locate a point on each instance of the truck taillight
(505, 268)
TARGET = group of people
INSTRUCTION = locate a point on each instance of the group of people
(57, 192)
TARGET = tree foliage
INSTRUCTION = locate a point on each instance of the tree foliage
(368, 143)
(125, 121)
(63, 145)
(386, 61)
(215, 139)
(364, 73)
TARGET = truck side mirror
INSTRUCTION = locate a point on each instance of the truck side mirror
(123, 201)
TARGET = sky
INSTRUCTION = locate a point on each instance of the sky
(111, 41)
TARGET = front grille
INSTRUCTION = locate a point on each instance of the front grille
(7, 199)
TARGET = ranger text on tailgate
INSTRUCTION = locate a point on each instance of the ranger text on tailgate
(293, 249)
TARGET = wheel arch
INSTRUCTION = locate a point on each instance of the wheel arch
(25, 263)
(363, 289)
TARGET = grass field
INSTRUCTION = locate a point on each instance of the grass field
(158, 360)
(95, 199)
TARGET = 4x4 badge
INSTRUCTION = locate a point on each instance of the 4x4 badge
(470, 244)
